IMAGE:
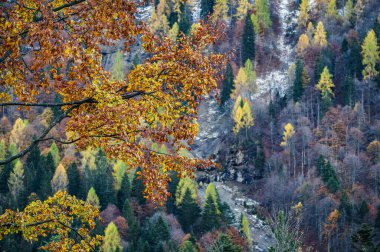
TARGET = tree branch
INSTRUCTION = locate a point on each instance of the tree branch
(43, 104)
(40, 138)
(68, 5)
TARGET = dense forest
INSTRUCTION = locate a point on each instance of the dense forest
(198, 125)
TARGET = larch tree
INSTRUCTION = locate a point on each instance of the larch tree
(112, 240)
(59, 181)
(242, 10)
(220, 10)
(93, 198)
(370, 55)
(184, 185)
(303, 44)
(118, 68)
(240, 82)
(118, 116)
(245, 229)
(325, 86)
(320, 40)
(173, 32)
(17, 132)
(54, 151)
(331, 12)
(242, 115)
(211, 192)
(288, 134)
(303, 17)
(263, 13)
(16, 184)
(348, 12)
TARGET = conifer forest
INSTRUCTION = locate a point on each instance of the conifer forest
(190, 125)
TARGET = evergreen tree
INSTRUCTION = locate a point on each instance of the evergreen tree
(188, 211)
(207, 8)
(184, 185)
(138, 187)
(328, 174)
(93, 198)
(187, 246)
(298, 84)
(362, 240)
(45, 171)
(227, 214)
(112, 240)
(124, 192)
(186, 19)
(228, 85)
(104, 180)
(355, 63)
(245, 229)
(155, 232)
(349, 91)
(377, 221)
(7, 169)
(60, 180)
(210, 215)
(75, 183)
(248, 41)
(225, 244)
(260, 158)
(345, 205)
(16, 185)
(32, 164)
(170, 203)
(363, 209)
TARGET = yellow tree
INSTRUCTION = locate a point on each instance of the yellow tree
(320, 40)
(119, 116)
(331, 11)
(242, 115)
(325, 84)
(288, 134)
(370, 55)
(59, 181)
(242, 9)
(303, 44)
(288, 144)
(220, 10)
(303, 17)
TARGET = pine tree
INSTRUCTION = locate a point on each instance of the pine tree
(112, 240)
(60, 180)
(260, 158)
(186, 19)
(362, 240)
(320, 40)
(248, 41)
(32, 164)
(377, 221)
(371, 55)
(170, 203)
(187, 246)
(349, 91)
(331, 12)
(184, 185)
(345, 205)
(118, 68)
(75, 183)
(16, 185)
(207, 8)
(303, 17)
(225, 244)
(54, 151)
(188, 211)
(228, 85)
(138, 187)
(245, 229)
(104, 183)
(298, 86)
(210, 215)
(45, 171)
(93, 198)
(124, 191)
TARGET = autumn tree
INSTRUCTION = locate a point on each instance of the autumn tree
(371, 55)
(245, 229)
(118, 68)
(325, 86)
(220, 10)
(263, 13)
(112, 240)
(303, 44)
(331, 12)
(16, 185)
(320, 40)
(185, 184)
(59, 181)
(242, 10)
(242, 115)
(54, 151)
(61, 215)
(121, 117)
(303, 17)
(93, 198)
(348, 11)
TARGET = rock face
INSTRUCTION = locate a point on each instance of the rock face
(262, 234)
